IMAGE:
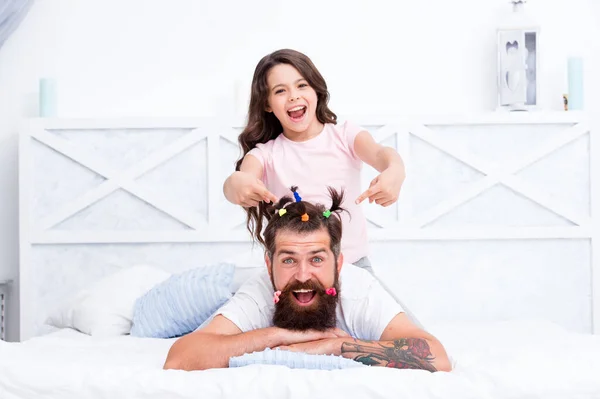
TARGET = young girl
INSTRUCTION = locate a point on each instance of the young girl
(292, 138)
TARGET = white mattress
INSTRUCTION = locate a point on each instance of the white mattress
(501, 360)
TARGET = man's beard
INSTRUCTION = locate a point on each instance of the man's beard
(319, 315)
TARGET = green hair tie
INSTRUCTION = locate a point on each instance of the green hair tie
(327, 213)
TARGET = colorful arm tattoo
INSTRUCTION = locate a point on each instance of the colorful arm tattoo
(404, 353)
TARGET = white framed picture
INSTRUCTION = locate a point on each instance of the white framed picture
(518, 62)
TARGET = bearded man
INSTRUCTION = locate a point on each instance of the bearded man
(308, 300)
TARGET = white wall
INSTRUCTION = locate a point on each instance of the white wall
(196, 58)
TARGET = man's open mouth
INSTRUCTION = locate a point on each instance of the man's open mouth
(304, 296)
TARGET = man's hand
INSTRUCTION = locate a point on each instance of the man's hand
(327, 346)
(291, 338)
(385, 188)
(248, 191)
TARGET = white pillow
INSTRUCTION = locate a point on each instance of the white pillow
(106, 308)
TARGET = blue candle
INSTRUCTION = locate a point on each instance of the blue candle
(47, 98)
(575, 75)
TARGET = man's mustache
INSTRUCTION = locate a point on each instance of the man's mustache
(306, 285)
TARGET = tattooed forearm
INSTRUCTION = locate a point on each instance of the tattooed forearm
(404, 353)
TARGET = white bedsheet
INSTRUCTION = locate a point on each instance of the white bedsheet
(501, 360)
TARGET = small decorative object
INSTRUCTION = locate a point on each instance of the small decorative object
(575, 77)
(518, 61)
(47, 98)
(566, 101)
(3, 296)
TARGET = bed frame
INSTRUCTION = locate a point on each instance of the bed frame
(498, 219)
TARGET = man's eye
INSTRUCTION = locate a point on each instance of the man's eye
(316, 259)
(288, 261)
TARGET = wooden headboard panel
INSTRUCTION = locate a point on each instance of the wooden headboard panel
(495, 221)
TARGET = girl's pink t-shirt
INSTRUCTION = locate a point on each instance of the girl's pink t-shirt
(325, 160)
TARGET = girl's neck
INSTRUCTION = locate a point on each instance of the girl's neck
(313, 130)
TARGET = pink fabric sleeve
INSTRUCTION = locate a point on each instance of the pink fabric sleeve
(351, 130)
(257, 153)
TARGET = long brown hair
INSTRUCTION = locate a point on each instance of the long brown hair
(263, 126)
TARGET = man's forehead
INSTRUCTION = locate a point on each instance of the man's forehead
(307, 242)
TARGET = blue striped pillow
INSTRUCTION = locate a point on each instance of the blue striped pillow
(294, 360)
(181, 303)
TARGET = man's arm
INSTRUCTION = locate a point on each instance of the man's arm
(221, 339)
(402, 353)
(212, 346)
(402, 345)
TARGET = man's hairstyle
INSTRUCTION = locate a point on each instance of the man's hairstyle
(303, 217)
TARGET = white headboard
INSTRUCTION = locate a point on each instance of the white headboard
(494, 221)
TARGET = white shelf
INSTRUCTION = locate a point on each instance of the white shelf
(490, 118)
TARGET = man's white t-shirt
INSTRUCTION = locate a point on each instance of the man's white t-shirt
(364, 308)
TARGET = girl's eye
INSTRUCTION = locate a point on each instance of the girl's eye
(279, 91)
(302, 85)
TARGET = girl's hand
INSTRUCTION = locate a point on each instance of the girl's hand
(250, 191)
(385, 188)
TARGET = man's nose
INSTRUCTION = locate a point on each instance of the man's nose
(303, 273)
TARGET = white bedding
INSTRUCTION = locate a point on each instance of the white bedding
(501, 360)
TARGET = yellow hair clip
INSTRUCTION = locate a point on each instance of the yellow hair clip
(282, 211)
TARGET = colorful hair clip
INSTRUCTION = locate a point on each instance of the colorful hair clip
(296, 195)
(331, 291)
(276, 295)
(282, 211)
(305, 217)
(327, 213)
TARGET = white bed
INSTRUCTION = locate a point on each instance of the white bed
(494, 246)
(492, 360)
